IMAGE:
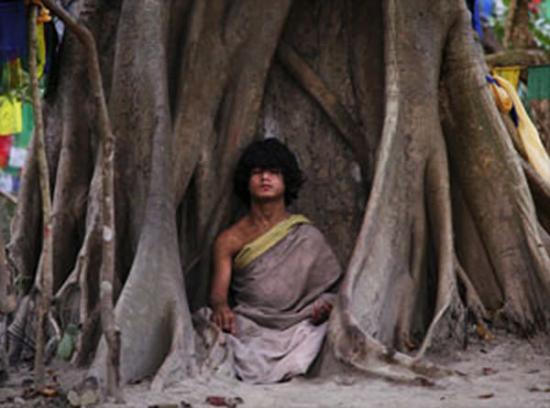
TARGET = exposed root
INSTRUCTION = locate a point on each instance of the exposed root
(328, 101)
(180, 361)
(472, 299)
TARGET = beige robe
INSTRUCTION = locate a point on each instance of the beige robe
(274, 297)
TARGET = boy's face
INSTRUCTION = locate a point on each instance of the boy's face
(266, 185)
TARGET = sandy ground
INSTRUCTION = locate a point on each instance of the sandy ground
(506, 372)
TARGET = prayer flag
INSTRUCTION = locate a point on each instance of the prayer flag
(538, 82)
(18, 155)
(511, 74)
(23, 139)
(13, 30)
(5, 147)
(11, 116)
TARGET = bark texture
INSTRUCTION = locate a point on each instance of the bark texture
(410, 171)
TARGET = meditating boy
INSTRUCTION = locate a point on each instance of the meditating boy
(275, 275)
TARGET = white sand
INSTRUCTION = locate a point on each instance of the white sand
(506, 372)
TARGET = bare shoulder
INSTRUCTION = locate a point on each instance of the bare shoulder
(231, 240)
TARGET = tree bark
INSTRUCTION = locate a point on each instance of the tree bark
(429, 210)
(44, 277)
(516, 31)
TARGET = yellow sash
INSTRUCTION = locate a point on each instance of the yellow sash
(260, 245)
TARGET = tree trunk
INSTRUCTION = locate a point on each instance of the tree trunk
(516, 31)
(387, 108)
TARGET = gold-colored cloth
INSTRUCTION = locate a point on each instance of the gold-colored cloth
(266, 241)
(534, 149)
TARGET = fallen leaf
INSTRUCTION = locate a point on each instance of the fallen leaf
(216, 401)
(48, 392)
(483, 332)
(228, 402)
(488, 371)
(486, 396)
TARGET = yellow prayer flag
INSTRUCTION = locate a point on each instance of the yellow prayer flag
(11, 116)
(511, 74)
(41, 51)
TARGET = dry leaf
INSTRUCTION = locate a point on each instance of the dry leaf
(48, 392)
(488, 371)
(483, 332)
(218, 401)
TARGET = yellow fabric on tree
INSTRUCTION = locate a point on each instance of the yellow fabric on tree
(11, 116)
(41, 50)
(534, 149)
(502, 99)
(267, 240)
(511, 74)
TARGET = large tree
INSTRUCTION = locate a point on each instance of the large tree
(411, 173)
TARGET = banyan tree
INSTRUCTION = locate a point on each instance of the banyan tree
(411, 170)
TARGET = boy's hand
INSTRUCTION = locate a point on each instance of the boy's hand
(321, 311)
(224, 318)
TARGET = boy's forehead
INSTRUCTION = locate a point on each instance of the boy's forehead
(267, 167)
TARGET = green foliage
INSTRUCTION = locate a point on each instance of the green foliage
(538, 24)
(541, 31)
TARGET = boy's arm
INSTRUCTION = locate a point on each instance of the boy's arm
(222, 315)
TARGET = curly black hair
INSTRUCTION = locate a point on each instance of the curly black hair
(268, 154)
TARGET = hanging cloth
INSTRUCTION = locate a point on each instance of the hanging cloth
(487, 8)
(535, 151)
(473, 5)
(511, 74)
(23, 139)
(5, 147)
(13, 30)
(11, 116)
(41, 50)
(11, 76)
(538, 82)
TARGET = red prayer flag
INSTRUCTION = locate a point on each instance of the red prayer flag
(5, 148)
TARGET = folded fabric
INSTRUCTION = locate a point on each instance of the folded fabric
(534, 149)
(263, 243)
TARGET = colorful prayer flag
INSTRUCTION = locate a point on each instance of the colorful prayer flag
(5, 147)
(23, 139)
(13, 30)
(11, 116)
(18, 155)
(511, 74)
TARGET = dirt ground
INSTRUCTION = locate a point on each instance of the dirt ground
(505, 372)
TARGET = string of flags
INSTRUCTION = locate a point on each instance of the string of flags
(16, 113)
